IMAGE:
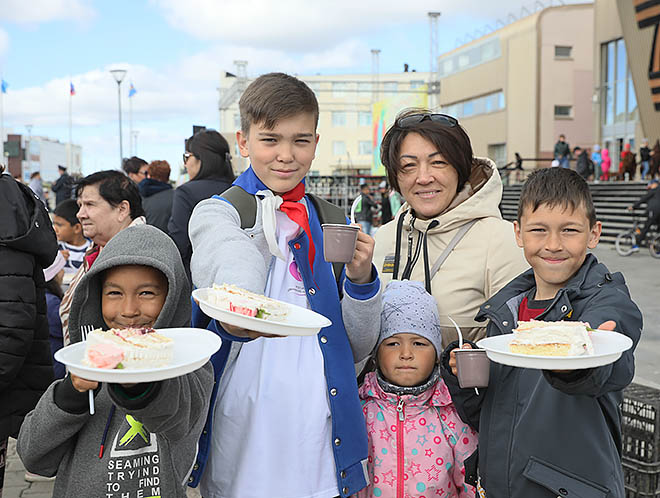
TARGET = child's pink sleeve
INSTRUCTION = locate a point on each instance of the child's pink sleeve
(463, 443)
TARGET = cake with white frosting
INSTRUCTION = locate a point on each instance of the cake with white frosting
(552, 339)
(131, 348)
(238, 300)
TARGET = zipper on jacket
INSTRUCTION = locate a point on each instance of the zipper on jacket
(399, 449)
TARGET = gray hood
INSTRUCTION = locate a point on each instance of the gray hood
(137, 245)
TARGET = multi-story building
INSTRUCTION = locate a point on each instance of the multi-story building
(625, 109)
(518, 88)
(348, 104)
(26, 155)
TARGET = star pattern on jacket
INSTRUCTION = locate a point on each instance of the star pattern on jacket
(409, 425)
(421, 440)
(433, 473)
(428, 452)
(389, 480)
(378, 461)
(385, 434)
(431, 428)
(414, 468)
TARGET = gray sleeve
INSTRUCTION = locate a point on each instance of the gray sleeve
(362, 320)
(180, 406)
(222, 251)
(48, 435)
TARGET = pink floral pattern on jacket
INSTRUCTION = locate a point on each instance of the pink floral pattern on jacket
(417, 444)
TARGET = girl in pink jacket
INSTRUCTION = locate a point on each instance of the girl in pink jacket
(417, 442)
(607, 162)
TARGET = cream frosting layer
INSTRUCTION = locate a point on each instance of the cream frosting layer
(233, 298)
(574, 334)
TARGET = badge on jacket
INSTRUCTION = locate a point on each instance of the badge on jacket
(388, 264)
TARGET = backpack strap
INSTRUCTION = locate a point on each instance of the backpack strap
(244, 203)
(329, 213)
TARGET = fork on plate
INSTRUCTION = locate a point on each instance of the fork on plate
(84, 330)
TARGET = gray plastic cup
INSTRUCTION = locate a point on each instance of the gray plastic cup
(339, 242)
(473, 368)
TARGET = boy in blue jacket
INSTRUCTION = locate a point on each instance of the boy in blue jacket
(285, 418)
(553, 433)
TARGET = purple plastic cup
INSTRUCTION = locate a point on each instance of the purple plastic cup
(473, 368)
(339, 242)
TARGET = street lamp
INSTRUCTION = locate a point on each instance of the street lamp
(118, 75)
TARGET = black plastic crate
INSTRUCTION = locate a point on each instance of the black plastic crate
(641, 479)
(641, 423)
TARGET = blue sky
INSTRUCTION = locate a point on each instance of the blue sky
(175, 51)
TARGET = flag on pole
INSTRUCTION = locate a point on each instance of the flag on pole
(131, 91)
(3, 86)
(72, 89)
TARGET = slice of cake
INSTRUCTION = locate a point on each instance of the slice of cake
(134, 348)
(233, 298)
(552, 339)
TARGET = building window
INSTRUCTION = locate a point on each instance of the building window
(497, 152)
(338, 148)
(468, 57)
(618, 99)
(390, 87)
(338, 118)
(416, 84)
(364, 147)
(364, 87)
(364, 118)
(473, 107)
(563, 111)
(315, 86)
(339, 89)
(563, 52)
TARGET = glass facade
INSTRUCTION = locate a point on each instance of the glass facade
(338, 118)
(473, 107)
(618, 101)
(364, 118)
(468, 57)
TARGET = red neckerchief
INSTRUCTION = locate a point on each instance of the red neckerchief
(298, 214)
(91, 257)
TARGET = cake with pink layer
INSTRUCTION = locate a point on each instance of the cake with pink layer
(131, 348)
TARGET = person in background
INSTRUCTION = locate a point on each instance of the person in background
(627, 165)
(597, 159)
(69, 231)
(583, 162)
(606, 164)
(63, 186)
(364, 213)
(385, 206)
(645, 158)
(136, 168)
(562, 152)
(109, 202)
(157, 194)
(652, 201)
(36, 185)
(655, 160)
(27, 246)
(208, 163)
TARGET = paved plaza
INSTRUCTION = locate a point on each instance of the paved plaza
(642, 275)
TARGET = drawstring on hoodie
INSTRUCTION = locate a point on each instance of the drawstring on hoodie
(422, 245)
(105, 431)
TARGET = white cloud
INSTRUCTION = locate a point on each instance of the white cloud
(301, 26)
(38, 11)
(4, 42)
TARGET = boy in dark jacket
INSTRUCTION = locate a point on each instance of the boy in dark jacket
(27, 246)
(142, 440)
(553, 433)
(652, 201)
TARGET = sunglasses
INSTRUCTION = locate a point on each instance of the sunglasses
(413, 119)
(186, 156)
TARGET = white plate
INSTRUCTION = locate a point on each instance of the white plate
(192, 349)
(299, 321)
(608, 347)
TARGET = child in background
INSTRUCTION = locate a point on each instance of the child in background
(417, 442)
(70, 239)
(142, 440)
(285, 415)
(549, 433)
(606, 163)
(53, 276)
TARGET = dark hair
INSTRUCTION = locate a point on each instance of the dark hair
(160, 171)
(132, 164)
(36, 173)
(54, 288)
(68, 210)
(273, 97)
(212, 150)
(451, 141)
(114, 187)
(556, 187)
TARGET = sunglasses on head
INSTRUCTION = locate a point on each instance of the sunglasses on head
(413, 119)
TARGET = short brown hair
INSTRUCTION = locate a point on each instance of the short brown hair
(557, 187)
(159, 171)
(451, 141)
(273, 97)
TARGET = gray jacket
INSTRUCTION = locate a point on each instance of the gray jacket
(153, 430)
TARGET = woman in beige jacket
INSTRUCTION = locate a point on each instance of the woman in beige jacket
(449, 234)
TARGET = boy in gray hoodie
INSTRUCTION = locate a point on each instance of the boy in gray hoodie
(142, 441)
